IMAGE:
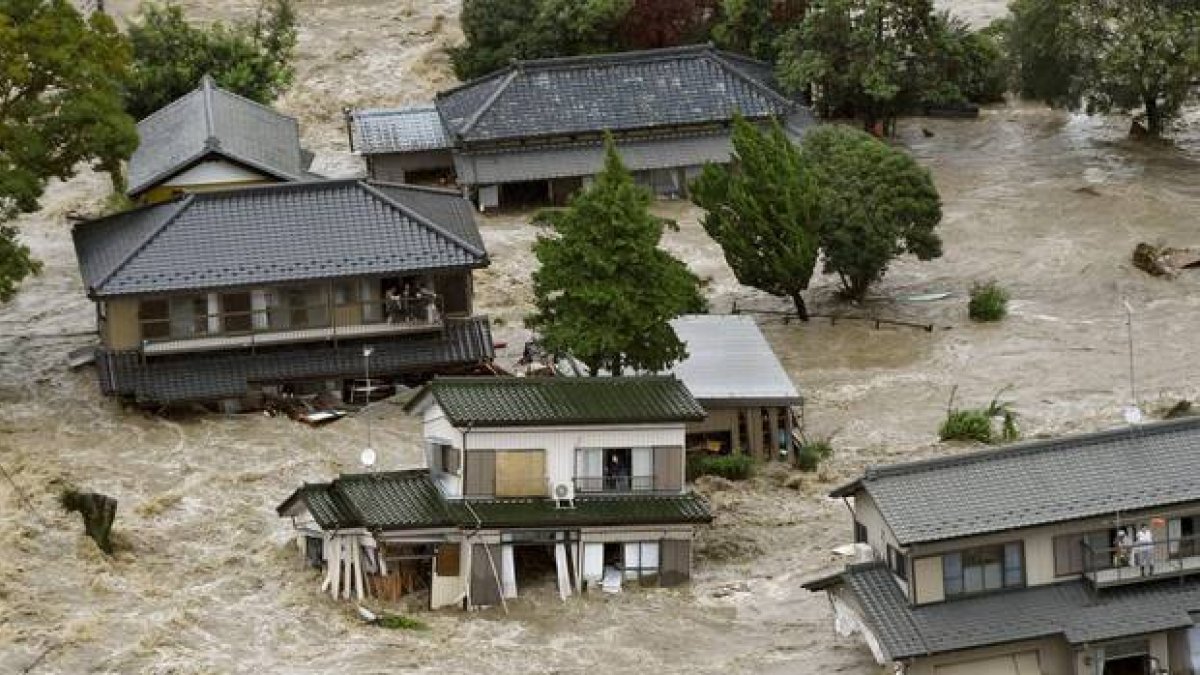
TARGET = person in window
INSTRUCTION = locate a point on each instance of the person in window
(393, 305)
(1143, 553)
(1121, 549)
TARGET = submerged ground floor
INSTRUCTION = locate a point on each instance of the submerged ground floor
(393, 535)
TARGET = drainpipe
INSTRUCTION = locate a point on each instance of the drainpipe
(346, 115)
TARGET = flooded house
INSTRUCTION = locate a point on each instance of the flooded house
(1073, 556)
(578, 483)
(732, 371)
(534, 131)
(235, 296)
(213, 139)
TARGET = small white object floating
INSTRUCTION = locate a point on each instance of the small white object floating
(611, 583)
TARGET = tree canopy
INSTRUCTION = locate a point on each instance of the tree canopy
(763, 211)
(60, 104)
(605, 291)
(1109, 55)
(877, 203)
(253, 59)
(753, 27)
(877, 59)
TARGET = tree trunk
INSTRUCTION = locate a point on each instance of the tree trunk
(1153, 117)
(801, 308)
(98, 513)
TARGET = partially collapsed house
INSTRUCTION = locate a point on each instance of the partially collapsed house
(213, 139)
(230, 297)
(1075, 556)
(739, 382)
(583, 478)
(534, 131)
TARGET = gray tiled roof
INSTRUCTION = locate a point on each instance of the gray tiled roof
(217, 375)
(400, 500)
(279, 233)
(444, 207)
(584, 158)
(512, 401)
(212, 121)
(1037, 483)
(410, 129)
(1068, 610)
(631, 90)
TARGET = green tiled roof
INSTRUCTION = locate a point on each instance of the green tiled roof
(512, 401)
(389, 500)
(406, 500)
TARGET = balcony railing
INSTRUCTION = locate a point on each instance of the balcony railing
(600, 484)
(1132, 563)
(289, 324)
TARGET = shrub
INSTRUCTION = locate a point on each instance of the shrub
(400, 622)
(989, 302)
(975, 424)
(811, 454)
(733, 467)
(967, 425)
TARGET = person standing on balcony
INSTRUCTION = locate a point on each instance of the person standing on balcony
(1121, 546)
(1143, 552)
(393, 305)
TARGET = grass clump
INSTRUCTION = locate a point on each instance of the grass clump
(810, 455)
(975, 424)
(989, 302)
(733, 467)
(401, 622)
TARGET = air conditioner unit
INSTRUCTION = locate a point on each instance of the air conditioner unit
(564, 495)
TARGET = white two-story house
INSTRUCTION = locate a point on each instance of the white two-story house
(579, 479)
(1074, 556)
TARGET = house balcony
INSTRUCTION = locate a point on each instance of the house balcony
(1165, 558)
(290, 325)
(613, 484)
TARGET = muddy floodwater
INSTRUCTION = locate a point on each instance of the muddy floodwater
(205, 581)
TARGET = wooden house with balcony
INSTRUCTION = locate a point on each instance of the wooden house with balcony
(236, 295)
(534, 132)
(1074, 556)
(212, 139)
(580, 478)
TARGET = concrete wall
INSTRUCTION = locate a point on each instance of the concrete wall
(1053, 656)
(879, 536)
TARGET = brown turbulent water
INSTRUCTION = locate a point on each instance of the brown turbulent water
(204, 580)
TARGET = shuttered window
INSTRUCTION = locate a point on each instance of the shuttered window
(479, 474)
(521, 473)
(668, 468)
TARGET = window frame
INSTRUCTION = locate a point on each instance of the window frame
(1006, 583)
(897, 561)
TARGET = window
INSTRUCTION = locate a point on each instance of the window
(860, 533)
(641, 561)
(446, 456)
(1069, 551)
(154, 316)
(236, 312)
(983, 569)
(615, 469)
(898, 562)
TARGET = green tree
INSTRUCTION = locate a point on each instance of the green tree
(253, 59)
(877, 203)
(763, 211)
(499, 31)
(1109, 55)
(752, 27)
(969, 65)
(862, 58)
(605, 292)
(60, 104)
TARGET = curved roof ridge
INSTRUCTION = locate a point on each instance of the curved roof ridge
(179, 207)
(488, 102)
(434, 227)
